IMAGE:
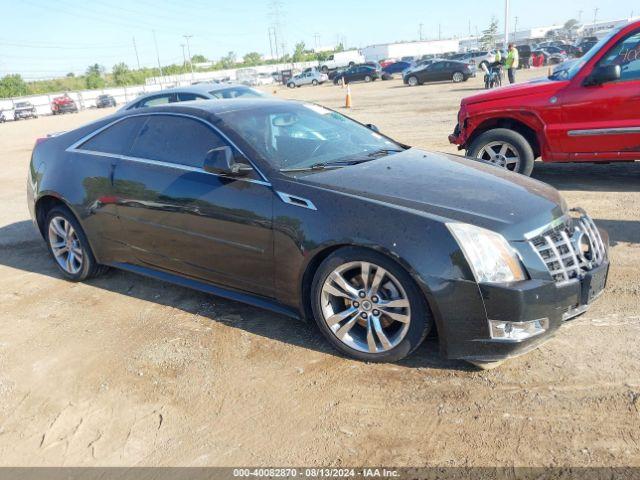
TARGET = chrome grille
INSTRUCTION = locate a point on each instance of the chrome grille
(570, 247)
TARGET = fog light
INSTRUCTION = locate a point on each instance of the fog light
(517, 331)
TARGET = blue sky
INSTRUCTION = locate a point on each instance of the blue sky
(41, 38)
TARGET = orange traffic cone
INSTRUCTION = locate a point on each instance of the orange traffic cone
(347, 103)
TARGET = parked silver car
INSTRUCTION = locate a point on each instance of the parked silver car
(310, 77)
(201, 91)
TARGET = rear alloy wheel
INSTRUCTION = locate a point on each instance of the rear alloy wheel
(314, 82)
(504, 148)
(458, 77)
(367, 78)
(69, 246)
(291, 85)
(412, 81)
(368, 307)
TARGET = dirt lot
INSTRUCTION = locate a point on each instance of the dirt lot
(127, 371)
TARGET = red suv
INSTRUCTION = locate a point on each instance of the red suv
(587, 111)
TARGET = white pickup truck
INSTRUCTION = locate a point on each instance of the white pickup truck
(347, 58)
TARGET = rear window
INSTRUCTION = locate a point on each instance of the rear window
(236, 92)
(117, 138)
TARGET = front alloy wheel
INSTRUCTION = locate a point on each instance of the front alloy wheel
(504, 148)
(501, 154)
(412, 81)
(368, 307)
(458, 77)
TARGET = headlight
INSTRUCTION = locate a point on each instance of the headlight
(490, 256)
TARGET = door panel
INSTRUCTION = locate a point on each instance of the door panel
(198, 224)
(603, 121)
(177, 217)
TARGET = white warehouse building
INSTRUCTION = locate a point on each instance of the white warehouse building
(374, 53)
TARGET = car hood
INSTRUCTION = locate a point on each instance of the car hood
(449, 187)
(540, 86)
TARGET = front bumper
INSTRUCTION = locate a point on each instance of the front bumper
(464, 330)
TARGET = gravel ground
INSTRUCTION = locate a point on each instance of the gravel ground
(124, 370)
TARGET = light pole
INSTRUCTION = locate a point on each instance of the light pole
(515, 30)
(506, 23)
(187, 37)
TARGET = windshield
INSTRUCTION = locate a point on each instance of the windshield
(299, 136)
(21, 104)
(573, 68)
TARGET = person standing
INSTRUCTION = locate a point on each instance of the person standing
(512, 62)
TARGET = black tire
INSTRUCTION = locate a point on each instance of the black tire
(90, 268)
(351, 64)
(519, 142)
(421, 319)
(314, 82)
(457, 77)
(367, 78)
(409, 80)
(324, 69)
(291, 85)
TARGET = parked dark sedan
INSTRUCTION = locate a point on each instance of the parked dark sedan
(396, 67)
(22, 110)
(104, 101)
(299, 209)
(438, 72)
(358, 73)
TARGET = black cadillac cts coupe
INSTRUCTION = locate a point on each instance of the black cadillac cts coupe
(299, 209)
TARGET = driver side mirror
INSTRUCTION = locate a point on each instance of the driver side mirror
(221, 161)
(603, 74)
(372, 127)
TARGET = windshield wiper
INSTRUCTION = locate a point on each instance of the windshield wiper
(383, 152)
(317, 166)
(342, 163)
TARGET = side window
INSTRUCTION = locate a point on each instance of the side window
(625, 53)
(186, 97)
(155, 101)
(175, 139)
(117, 138)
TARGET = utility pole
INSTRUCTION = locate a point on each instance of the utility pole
(187, 37)
(506, 23)
(270, 43)
(579, 16)
(316, 37)
(515, 30)
(469, 27)
(420, 31)
(439, 31)
(155, 41)
(135, 49)
(595, 16)
(184, 58)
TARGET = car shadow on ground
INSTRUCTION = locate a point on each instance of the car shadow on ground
(612, 177)
(22, 248)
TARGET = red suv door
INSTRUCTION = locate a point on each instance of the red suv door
(603, 121)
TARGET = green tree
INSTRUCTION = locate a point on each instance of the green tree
(299, 52)
(121, 74)
(228, 61)
(71, 75)
(12, 86)
(199, 59)
(94, 76)
(252, 58)
(488, 38)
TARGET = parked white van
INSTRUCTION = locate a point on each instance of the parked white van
(348, 58)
